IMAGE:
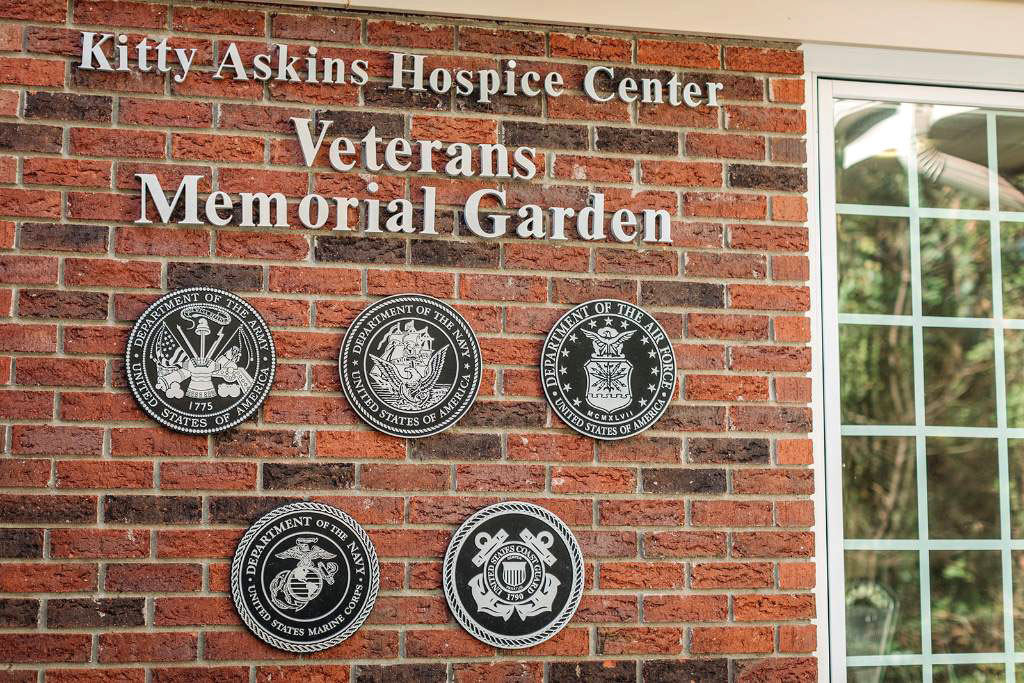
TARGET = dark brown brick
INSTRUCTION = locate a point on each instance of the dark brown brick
(18, 613)
(592, 672)
(305, 476)
(670, 293)
(152, 509)
(242, 509)
(20, 137)
(67, 106)
(47, 303)
(399, 673)
(28, 509)
(96, 612)
(229, 277)
(359, 250)
(448, 446)
(358, 123)
(64, 237)
(21, 543)
(547, 136)
(782, 178)
(636, 140)
(455, 254)
(685, 671)
(378, 94)
(721, 451)
(506, 414)
(677, 480)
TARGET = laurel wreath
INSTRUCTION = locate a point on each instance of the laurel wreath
(372, 418)
(219, 428)
(513, 642)
(239, 558)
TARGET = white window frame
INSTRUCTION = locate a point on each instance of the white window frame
(884, 73)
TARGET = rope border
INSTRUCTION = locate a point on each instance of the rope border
(371, 419)
(239, 557)
(576, 557)
(188, 430)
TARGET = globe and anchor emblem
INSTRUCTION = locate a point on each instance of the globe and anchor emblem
(295, 588)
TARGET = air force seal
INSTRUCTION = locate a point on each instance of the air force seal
(513, 575)
(410, 365)
(200, 360)
(608, 369)
(304, 577)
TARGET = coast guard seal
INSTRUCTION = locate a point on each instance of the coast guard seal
(513, 575)
(304, 577)
(410, 365)
(608, 369)
(200, 360)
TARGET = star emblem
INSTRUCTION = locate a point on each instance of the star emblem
(562, 370)
(576, 402)
(565, 352)
(573, 338)
(623, 324)
(644, 341)
(651, 387)
(608, 321)
(592, 322)
(654, 371)
(651, 353)
(566, 388)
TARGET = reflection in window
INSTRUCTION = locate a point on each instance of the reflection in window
(884, 674)
(959, 377)
(883, 603)
(963, 487)
(956, 269)
(967, 600)
(872, 146)
(952, 157)
(876, 374)
(968, 673)
(1011, 243)
(1010, 146)
(879, 487)
(874, 265)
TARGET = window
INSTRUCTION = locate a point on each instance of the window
(922, 234)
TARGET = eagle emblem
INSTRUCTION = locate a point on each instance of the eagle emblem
(406, 374)
(609, 373)
(295, 588)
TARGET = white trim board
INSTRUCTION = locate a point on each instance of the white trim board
(991, 80)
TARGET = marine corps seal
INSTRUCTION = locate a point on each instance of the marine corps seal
(513, 575)
(410, 365)
(200, 360)
(608, 369)
(304, 577)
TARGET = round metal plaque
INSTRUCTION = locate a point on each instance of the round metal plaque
(200, 360)
(410, 365)
(304, 577)
(608, 369)
(513, 575)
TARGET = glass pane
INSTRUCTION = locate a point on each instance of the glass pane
(1009, 139)
(1015, 451)
(963, 488)
(967, 601)
(879, 487)
(952, 156)
(969, 673)
(1011, 242)
(959, 377)
(1013, 358)
(956, 270)
(884, 674)
(874, 265)
(876, 370)
(872, 147)
(1017, 565)
(883, 603)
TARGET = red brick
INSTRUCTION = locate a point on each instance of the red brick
(483, 477)
(764, 59)
(66, 172)
(45, 647)
(78, 544)
(787, 208)
(410, 35)
(155, 441)
(149, 112)
(15, 337)
(695, 608)
(731, 513)
(796, 575)
(732, 640)
(798, 638)
(603, 169)
(210, 20)
(30, 71)
(729, 575)
(789, 90)
(106, 142)
(26, 405)
(208, 475)
(48, 578)
(195, 611)
(726, 388)
(794, 451)
(111, 13)
(795, 513)
(641, 575)
(111, 273)
(163, 577)
(34, 10)
(28, 473)
(104, 474)
(773, 607)
(769, 119)
(147, 647)
(793, 389)
(770, 297)
(719, 265)
(592, 480)
(317, 27)
(676, 53)
(681, 544)
(504, 288)
(306, 280)
(725, 146)
(29, 203)
(682, 173)
(724, 205)
(591, 46)
(639, 640)
(45, 371)
(219, 148)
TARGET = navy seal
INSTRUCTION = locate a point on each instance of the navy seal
(410, 365)
(608, 369)
(200, 360)
(304, 577)
(513, 575)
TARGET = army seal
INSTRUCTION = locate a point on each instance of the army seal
(200, 360)
(304, 577)
(410, 365)
(513, 575)
(608, 369)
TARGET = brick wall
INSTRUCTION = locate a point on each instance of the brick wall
(117, 533)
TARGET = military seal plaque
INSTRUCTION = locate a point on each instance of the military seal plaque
(304, 577)
(608, 369)
(200, 360)
(410, 365)
(513, 575)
